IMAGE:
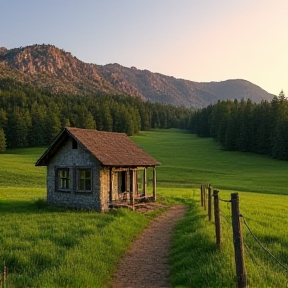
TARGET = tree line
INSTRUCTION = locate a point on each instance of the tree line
(246, 126)
(32, 117)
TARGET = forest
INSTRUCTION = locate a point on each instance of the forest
(245, 126)
(31, 117)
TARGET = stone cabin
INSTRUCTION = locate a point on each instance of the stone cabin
(97, 170)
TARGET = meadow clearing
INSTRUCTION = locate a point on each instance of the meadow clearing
(45, 246)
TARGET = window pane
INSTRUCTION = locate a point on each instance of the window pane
(81, 184)
(82, 174)
(63, 178)
(84, 179)
(88, 174)
(88, 184)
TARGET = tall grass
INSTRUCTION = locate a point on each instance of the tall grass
(195, 260)
(64, 248)
(17, 168)
(189, 161)
(45, 246)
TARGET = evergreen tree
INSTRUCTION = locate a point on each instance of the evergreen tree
(38, 118)
(245, 126)
(107, 119)
(280, 136)
(231, 133)
(245, 140)
(280, 144)
(3, 118)
(2, 141)
(31, 117)
(155, 121)
(52, 123)
(263, 127)
(144, 116)
(18, 128)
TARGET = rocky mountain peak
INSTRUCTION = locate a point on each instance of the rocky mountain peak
(59, 71)
(3, 51)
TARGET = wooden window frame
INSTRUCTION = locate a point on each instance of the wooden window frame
(61, 179)
(87, 181)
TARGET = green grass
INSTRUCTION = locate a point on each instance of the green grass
(18, 168)
(195, 261)
(64, 248)
(45, 246)
(189, 161)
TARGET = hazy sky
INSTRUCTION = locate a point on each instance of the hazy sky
(198, 40)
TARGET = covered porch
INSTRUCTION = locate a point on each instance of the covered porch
(131, 186)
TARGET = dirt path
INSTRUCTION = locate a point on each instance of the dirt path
(146, 262)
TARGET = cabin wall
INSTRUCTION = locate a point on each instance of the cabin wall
(105, 188)
(73, 159)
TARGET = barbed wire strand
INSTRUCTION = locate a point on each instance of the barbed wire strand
(226, 217)
(261, 245)
(228, 206)
(222, 223)
(261, 272)
(223, 200)
(254, 261)
(226, 224)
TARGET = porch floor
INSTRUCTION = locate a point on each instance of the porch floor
(138, 202)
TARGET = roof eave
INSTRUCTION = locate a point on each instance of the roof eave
(131, 165)
(44, 159)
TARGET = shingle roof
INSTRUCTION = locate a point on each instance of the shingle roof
(111, 149)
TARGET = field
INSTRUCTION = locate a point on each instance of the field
(45, 246)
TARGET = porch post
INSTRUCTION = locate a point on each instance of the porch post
(154, 183)
(130, 191)
(110, 185)
(144, 181)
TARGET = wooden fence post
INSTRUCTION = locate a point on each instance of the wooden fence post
(204, 196)
(217, 218)
(3, 277)
(238, 242)
(201, 191)
(209, 202)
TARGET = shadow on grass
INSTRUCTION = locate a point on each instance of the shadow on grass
(194, 259)
(29, 206)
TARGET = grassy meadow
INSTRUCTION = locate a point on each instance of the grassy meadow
(45, 246)
(189, 161)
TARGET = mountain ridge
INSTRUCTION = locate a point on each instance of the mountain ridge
(49, 67)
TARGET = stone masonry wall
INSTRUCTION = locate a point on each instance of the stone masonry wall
(70, 158)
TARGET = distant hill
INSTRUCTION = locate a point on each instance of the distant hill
(47, 66)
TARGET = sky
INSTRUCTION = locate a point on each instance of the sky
(197, 40)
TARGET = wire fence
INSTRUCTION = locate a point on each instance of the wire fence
(262, 246)
(226, 215)
(3, 277)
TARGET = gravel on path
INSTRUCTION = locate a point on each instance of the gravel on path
(145, 264)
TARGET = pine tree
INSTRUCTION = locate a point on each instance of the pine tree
(280, 136)
(2, 141)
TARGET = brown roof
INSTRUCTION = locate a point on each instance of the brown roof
(111, 149)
